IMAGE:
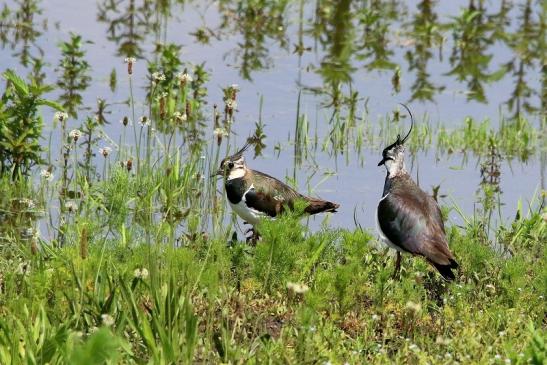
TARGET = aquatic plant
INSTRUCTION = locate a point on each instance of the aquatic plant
(73, 72)
(21, 124)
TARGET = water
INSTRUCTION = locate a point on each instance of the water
(358, 182)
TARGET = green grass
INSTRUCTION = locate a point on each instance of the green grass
(214, 300)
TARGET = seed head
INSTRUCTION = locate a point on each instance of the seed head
(46, 175)
(71, 206)
(180, 117)
(144, 121)
(184, 78)
(231, 104)
(75, 134)
(60, 116)
(130, 62)
(105, 151)
(125, 121)
(158, 77)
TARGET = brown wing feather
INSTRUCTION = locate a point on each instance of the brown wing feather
(280, 193)
(420, 221)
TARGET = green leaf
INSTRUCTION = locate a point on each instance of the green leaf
(50, 103)
(100, 348)
(17, 82)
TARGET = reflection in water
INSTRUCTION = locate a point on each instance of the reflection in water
(128, 23)
(469, 58)
(256, 22)
(426, 36)
(528, 44)
(376, 21)
(350, 36)
(19, 30)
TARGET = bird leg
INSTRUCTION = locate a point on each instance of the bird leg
(254, 237)
(396, 273)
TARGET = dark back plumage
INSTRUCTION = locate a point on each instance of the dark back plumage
(412, 220)
(273, 196)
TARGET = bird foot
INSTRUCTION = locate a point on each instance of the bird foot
(397, 272)
(253, 238)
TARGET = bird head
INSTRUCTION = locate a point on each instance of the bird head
(233, 166)
(393, 155)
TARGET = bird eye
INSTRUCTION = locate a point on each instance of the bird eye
(230, 165)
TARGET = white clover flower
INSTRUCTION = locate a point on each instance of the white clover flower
(75, 134)
(46, 175)
(508, 361)
(107, 319)
(60, 116)
(497, 357)
(144, 121)
(220, 132)
(158, 76)
(413, 347)
(29, 203)
(297, 288)
(141, 273)
(23, 268)
(105, 151)
(71, 206)
(184, 77)
(413, 307)
(375, 317)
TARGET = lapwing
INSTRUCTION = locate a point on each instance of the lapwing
(253, 194)
(408, 219)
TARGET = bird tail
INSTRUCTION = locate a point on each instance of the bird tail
(446, 270)
(319, 206)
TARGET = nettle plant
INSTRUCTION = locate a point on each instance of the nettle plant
(21, 124)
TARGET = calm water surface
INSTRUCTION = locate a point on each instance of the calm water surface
(284, 73)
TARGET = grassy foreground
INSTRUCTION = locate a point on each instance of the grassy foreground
(298, 297)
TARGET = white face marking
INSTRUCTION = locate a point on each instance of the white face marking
(397, 164)
(238, 170)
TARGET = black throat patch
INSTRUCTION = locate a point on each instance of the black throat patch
(235, 188)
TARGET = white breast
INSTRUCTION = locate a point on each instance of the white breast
(249, 215)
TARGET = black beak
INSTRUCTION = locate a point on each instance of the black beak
(382, 162)
(219, 172)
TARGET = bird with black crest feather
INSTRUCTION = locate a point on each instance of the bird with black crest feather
(408, 219)
(254, 195)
